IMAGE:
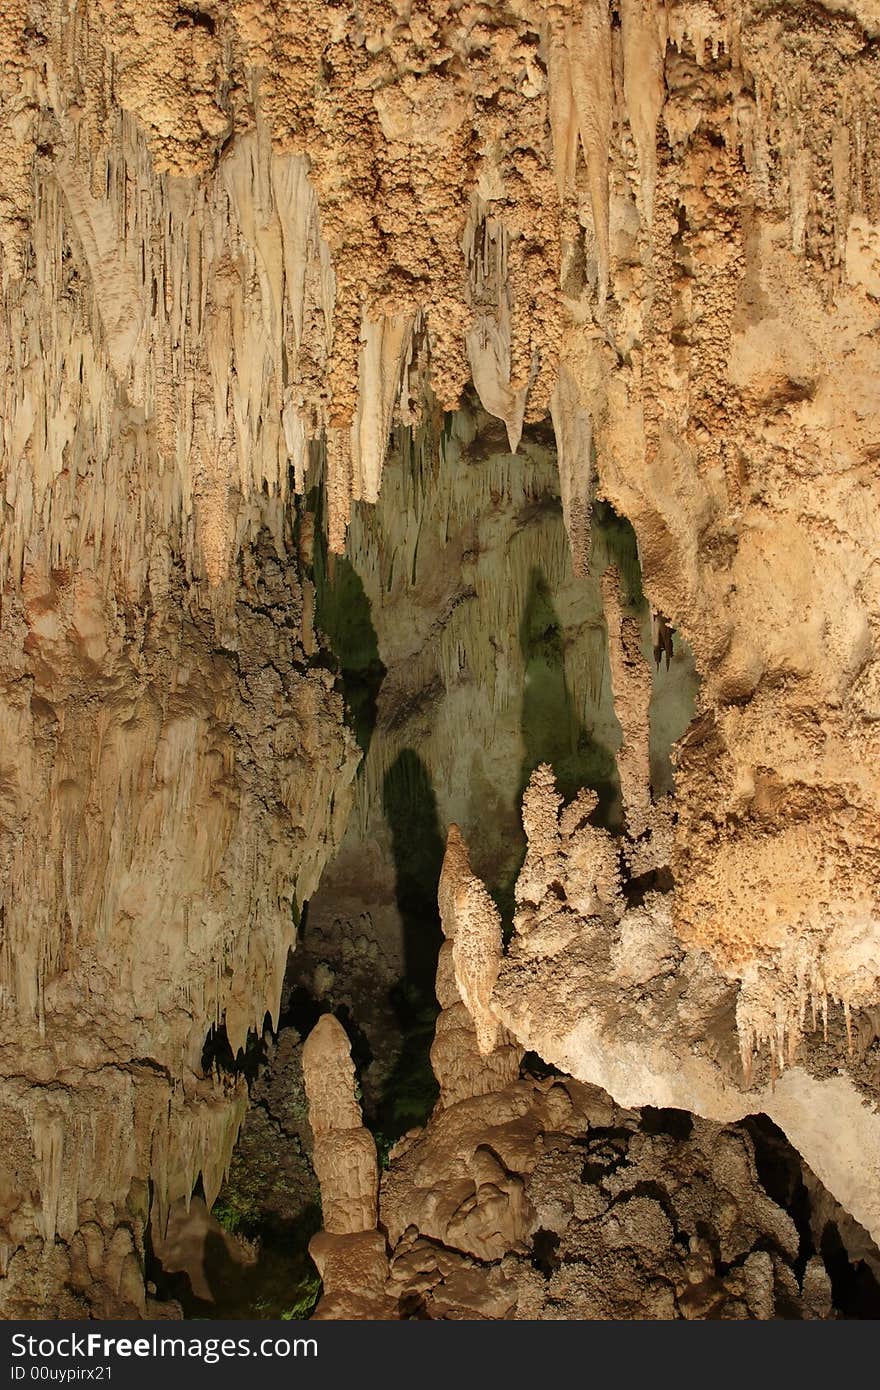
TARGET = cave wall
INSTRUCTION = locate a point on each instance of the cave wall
(470, 652)
(166, 801)
(235, 235)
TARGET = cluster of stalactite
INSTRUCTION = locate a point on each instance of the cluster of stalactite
(244, 241)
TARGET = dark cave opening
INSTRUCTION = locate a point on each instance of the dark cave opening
(417, 847)
(855, 1285)
(551, 729)
(342, 615)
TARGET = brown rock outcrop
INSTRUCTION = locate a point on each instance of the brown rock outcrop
(543, 1199)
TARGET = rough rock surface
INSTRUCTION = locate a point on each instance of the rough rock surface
(598, 981)
(547, 1201)
(231, 233)
(526, 1198)
(164, 801)
(350, 1251)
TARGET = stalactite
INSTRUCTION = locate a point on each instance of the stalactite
(573, 430)
(230, 249)
(644, 30)
(384, 353)
(489, 340)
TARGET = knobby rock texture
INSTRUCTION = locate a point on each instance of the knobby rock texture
(239, 241)
(527, 1198)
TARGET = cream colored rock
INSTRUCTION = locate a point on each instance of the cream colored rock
(471, 1054)
(349, 1252)
(574, 441)
(544, 1199)
(231, 245)
(344, 1151)
(631, 681)
(147, 891)
(673, 1042)
(353, 1270)
(329, 1077)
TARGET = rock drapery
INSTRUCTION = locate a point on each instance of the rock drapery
(238, 237)
(164, 802)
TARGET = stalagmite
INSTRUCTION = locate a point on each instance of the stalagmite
(470, 1054)
(476, 957)
(542, 1196)
(591, 874)
(349, 1252)
(345, 1152)
(252, 261)
(631, 680)
(612, 960)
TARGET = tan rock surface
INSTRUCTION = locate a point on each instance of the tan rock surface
(349, 1252)
(235, 238)
(344, 1153)
(149, 876)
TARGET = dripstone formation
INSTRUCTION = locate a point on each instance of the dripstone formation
(254, 254)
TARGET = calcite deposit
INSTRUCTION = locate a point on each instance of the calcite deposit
(246, 245)
(534, 1199)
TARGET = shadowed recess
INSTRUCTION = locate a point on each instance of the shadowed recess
(342, 614)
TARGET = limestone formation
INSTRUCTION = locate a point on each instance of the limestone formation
(631, 682)
(149, 880)
(471, 1053)
(344, 1151)
(546, 1201)
(472, 923)
(535, 1199)
(350, 1251)
(673, 1041)
(258, 264)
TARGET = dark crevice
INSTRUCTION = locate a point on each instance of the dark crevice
(195, 18)
(635, 890)
(544, 1258)
(678, 1124)
(854, 1286)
